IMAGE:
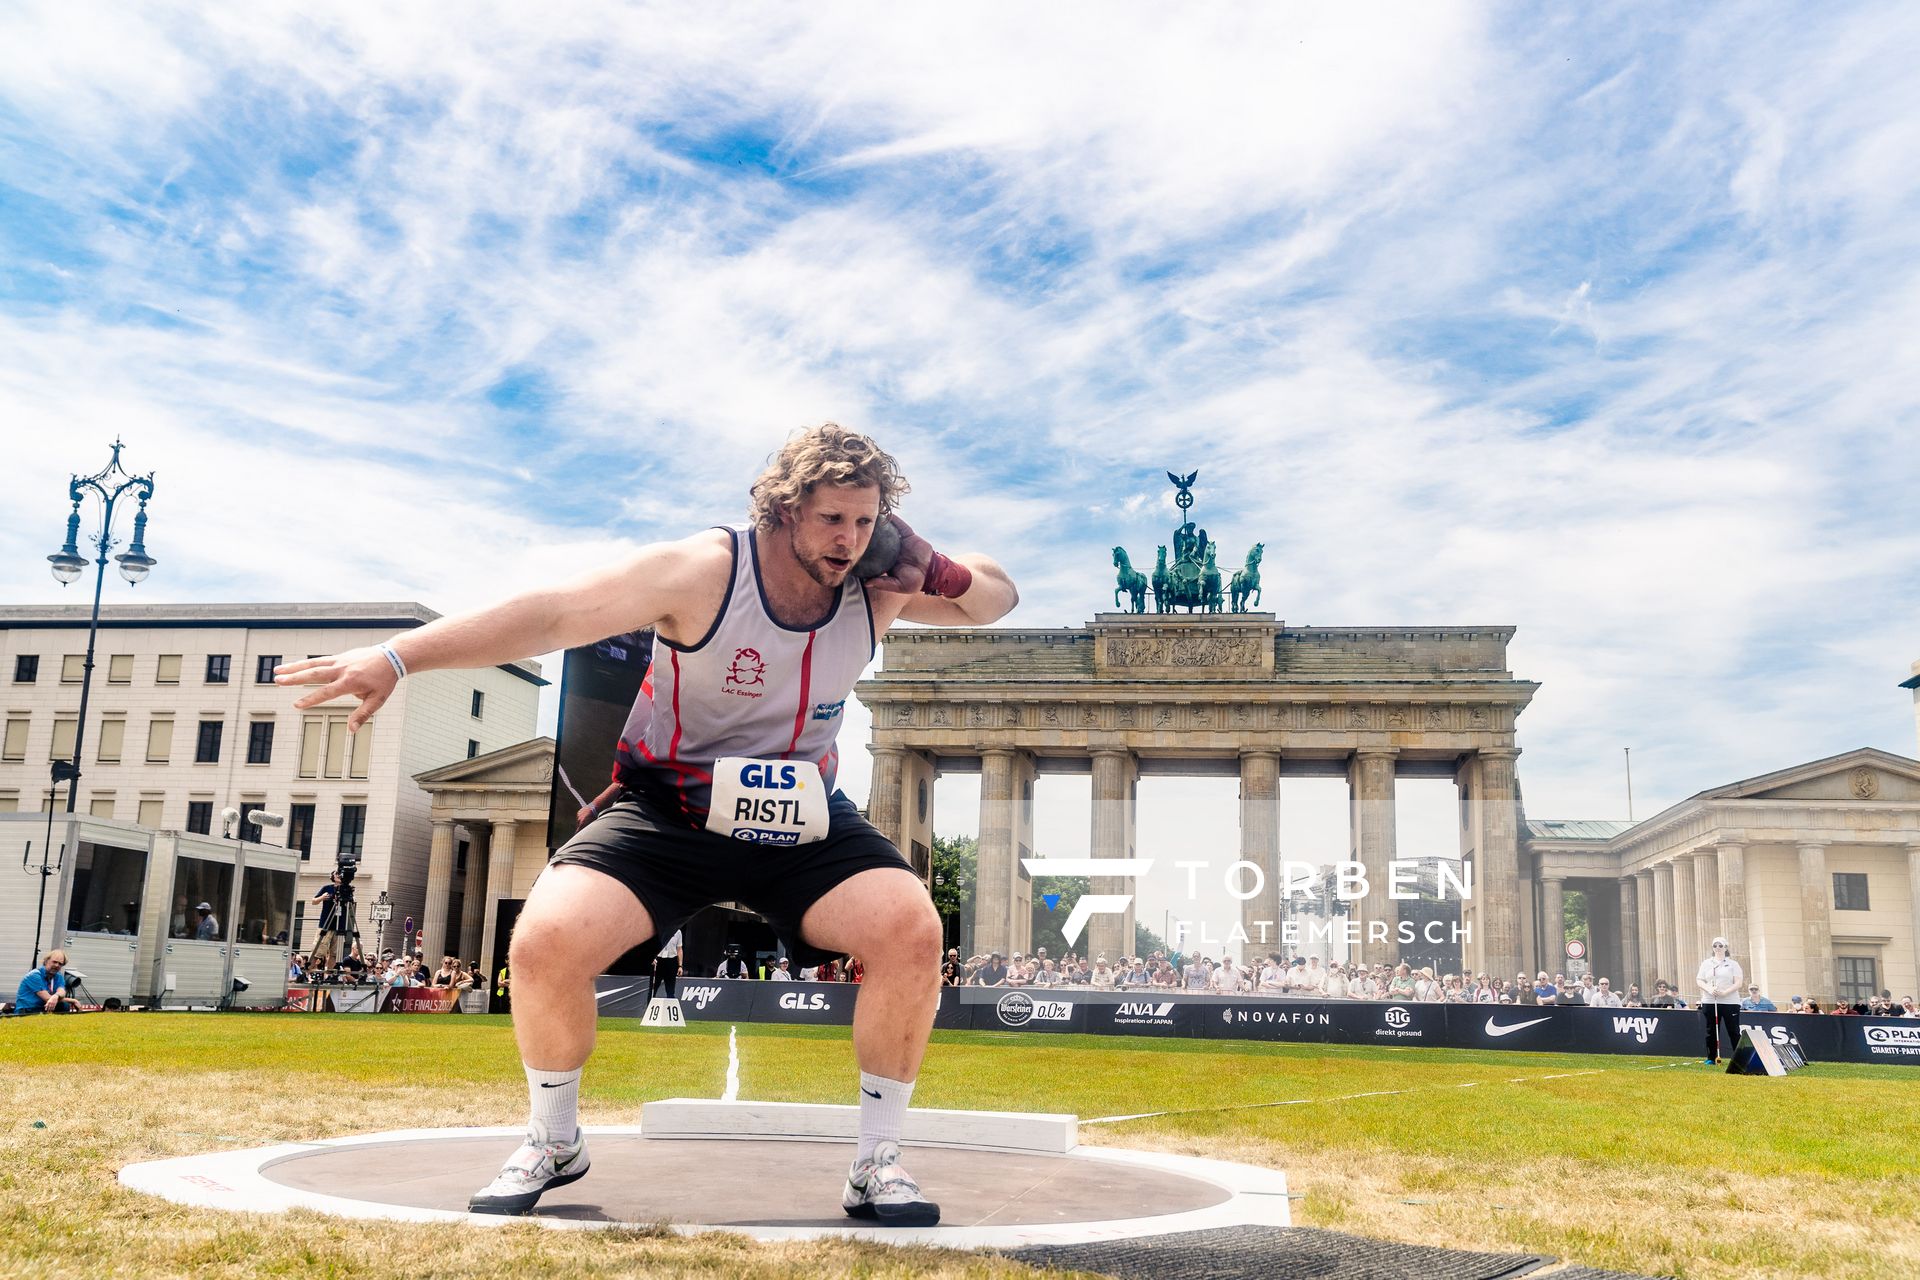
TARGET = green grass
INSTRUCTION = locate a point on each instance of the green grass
(1641, 1164)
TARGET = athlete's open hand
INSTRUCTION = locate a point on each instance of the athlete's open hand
(909, 572)
(363, 673)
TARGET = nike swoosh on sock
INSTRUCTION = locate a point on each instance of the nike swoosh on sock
(870, 1093)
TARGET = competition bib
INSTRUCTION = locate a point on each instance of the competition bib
(774, 802)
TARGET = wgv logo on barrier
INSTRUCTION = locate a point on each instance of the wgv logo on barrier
(804, 1000)
(699, 997)
(1639, 1028)
(1017, 1009)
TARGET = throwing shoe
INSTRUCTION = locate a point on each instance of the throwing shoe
(879, 1188)
(536, 1168)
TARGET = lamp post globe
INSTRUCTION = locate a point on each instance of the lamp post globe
(67, 568)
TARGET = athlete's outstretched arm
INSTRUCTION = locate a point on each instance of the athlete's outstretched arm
(653, 584)
(989, 598)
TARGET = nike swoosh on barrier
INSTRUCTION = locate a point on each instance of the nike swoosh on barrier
(1497, 1031)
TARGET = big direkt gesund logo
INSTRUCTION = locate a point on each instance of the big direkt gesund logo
(1017, 1009)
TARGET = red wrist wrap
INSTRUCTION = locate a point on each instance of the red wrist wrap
(947, 577)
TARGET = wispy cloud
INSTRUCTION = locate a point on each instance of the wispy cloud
(1599, 325)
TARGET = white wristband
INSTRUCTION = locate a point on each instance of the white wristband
(399, 667)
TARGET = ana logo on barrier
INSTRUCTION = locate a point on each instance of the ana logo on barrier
(1639, 1028)
(1138, 1009)
(804, 1000)
(1017, 1009)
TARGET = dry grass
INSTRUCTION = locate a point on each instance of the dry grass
(1644, 1167)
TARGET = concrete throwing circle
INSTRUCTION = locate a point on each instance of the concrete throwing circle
(771, 1188)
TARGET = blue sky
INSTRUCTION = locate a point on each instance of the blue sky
(1599, 323)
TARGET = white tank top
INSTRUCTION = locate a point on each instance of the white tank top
(752, 686)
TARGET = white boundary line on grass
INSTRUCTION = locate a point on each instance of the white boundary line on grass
(1371, 1093)
(237, 1181)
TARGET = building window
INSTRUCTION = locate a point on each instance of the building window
(63, 731)
(353, 827)
(101, 806)
(473, 748)
(460, 858)
(1856, 977)
(151, 810)
(15, 747)
(260, 742)
(168, 672)
(113, 737)
(218, 666)
(120, 669)
(479, 702)
(73, 668)
(300, 924)
(300, 830)
(250, 831)
(160, 740)
(200, 816)
(207, 749)
(26, 668)
(263, 673)
(1850, 891)
(327, 750)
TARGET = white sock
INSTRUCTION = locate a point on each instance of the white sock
(883, 1108)
(555, 1098)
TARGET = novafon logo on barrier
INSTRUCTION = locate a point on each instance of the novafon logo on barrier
(1276, 1017)
(1639, 1028)
(699, 997)
(1017, 1009)
(804, 1000)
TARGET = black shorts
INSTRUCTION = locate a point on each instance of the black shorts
(675, 870)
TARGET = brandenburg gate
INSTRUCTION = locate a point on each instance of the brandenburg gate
(1213, 693)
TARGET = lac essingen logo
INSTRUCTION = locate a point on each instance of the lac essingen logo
(747, 669)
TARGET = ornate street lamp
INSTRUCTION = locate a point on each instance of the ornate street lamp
(108, 484)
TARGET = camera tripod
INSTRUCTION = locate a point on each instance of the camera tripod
(341, 925)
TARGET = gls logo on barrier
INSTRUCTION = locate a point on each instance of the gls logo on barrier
(699, 997)
(804, 1000)
(1639, 1028)
(1017, 1009)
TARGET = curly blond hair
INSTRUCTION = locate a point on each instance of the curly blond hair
(826, 454)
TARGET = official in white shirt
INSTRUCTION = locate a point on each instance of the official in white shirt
(1720, 982)
(666, 967)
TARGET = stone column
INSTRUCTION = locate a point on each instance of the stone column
(1816, 922)
(1686, 927)
(1649, 954)
(1663, 939)
(1370, 783)
(993, 902)
(433, 929)
(1732, 857)
(1553, 910)
(1260, 845)
(1628, 888)
(1497, 877)
(884, 797)
(1111, 935)
(1706, 897)
(1913, 892)
(500, 846)
(473, 901)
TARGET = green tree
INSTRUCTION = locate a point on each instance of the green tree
(1146, 941)
(956, 861)
(1046, 924)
